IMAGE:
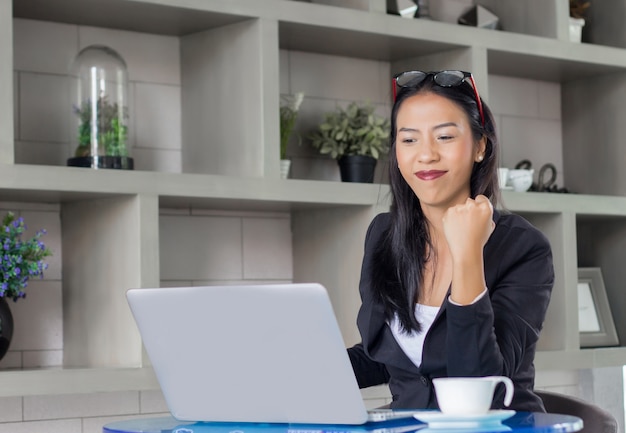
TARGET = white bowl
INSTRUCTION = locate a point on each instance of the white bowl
(521, 179)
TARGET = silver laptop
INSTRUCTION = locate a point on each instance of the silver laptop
(255, 353)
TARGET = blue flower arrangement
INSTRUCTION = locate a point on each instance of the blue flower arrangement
(19, 259)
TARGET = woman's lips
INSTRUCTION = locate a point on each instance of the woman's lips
(430, 174)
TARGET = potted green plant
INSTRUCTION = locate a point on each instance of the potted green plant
(111, 138)
(20, 260)
(290, 105)
(356, 137)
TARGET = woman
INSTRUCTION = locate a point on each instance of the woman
(449, 286)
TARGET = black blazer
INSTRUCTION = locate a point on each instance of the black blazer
(497, 335)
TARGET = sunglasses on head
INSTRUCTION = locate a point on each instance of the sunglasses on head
(441, 78)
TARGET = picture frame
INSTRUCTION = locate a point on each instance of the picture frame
(595, 321)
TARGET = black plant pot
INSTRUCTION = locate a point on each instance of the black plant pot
(357, 168)
(6, 326)
(117, 162)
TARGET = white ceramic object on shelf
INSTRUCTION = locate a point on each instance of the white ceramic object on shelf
(503, 177)
(576, 29)
(521, 179)
(285, 164)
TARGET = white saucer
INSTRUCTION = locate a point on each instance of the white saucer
(436, 419)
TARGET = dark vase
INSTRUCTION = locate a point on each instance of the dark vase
(357, 168)
(6, 326)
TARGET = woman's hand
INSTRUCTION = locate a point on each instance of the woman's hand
(467, 228)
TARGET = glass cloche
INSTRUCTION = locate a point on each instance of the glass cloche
(99, 127)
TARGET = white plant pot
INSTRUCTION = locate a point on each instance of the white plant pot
(576, 29)
(285, 164)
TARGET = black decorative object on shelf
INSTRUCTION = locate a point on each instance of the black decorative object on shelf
(6, 327)
(100, 122)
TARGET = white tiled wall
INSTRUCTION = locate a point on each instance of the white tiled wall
(77, 413)
(199, 246)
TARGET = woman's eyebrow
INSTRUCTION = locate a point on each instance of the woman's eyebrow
(445, 125)
(441, 125)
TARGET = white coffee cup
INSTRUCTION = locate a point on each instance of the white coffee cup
(521, 179)
(469, 395)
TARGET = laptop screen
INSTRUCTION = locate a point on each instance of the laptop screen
(251, 353)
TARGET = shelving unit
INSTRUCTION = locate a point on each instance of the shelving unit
(235, 45)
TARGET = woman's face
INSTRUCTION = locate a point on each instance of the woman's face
(436, 150)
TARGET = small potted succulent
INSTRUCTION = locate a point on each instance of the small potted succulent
(356, 137)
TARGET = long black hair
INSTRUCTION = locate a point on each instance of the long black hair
(403, 252)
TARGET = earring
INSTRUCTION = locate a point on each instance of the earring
(480, 158)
